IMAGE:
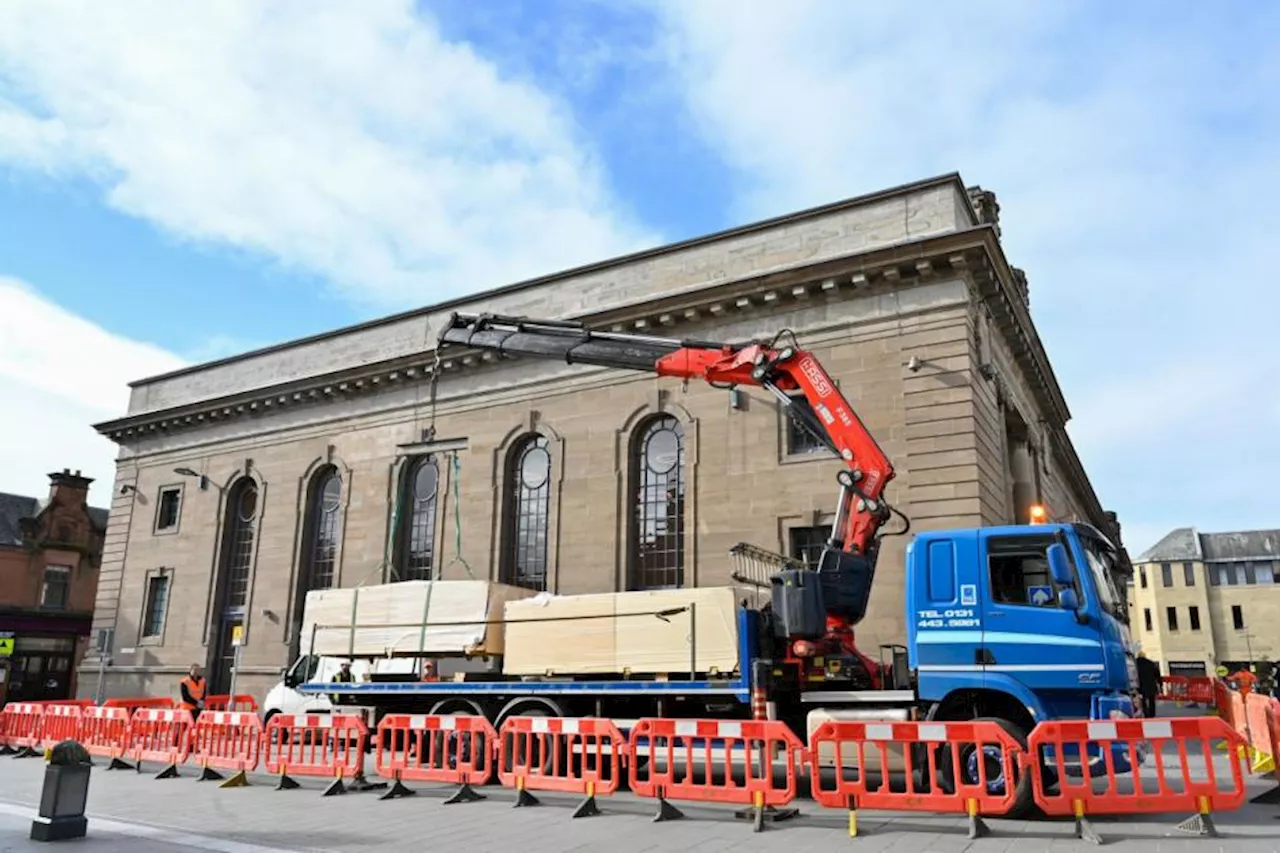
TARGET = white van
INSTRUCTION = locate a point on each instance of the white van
(283, 698)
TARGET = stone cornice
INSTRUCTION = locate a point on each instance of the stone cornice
(973, 254)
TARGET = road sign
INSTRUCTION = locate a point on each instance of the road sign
(237, 635)
(1040, 595)
(7, 641)
(1222, 671)
(105, 635)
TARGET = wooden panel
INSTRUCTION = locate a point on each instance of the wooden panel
(624, 635)
(440, 617)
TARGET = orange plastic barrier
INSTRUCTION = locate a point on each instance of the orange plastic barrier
(1173, 688)
(575, 755)
(227, 740)
(1263, 713)
(455, 750)
(326, 745)
(134, 703)
(162, 735)
(58, 723)
(22, 728)
(748, 746)
(104, 732)
(79, 703)
(934, 759)
(1200, 691)
(1166, 784)
(226, 702)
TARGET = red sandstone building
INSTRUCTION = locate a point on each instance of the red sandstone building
(50, 554)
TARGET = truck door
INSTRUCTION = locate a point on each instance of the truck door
(1026, 635)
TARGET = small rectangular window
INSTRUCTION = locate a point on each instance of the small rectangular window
(157, 597)
(1166, 574)
(1188, 574)
(1142, 577)
(1237, 617)
(1171, 613)
(1019, 571)
(1195, 618)
(1146, 618)
(806, 543)
(56, 591)
(168, 508)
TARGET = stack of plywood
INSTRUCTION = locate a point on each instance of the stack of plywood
(411, 617)
(617, 633)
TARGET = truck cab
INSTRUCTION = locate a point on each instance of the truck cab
(1020, 624)
(285, 698)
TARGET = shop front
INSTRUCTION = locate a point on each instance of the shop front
(39, 655)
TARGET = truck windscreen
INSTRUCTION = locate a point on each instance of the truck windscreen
(1100, 567)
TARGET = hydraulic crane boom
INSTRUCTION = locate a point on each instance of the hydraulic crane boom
(847, 564)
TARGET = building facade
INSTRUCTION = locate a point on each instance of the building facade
(1203, 600)
(50, 558)
(363, 455)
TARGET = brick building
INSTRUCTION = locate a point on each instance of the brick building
(334, 460)
(50, 556)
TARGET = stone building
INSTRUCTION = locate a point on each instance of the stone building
(1203, 600)
(348, 459)
(50, 556)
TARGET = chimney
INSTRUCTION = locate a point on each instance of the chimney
(69, 489)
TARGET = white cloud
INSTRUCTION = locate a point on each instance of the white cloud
(1133, 158)
(348, 139)
(59, 374)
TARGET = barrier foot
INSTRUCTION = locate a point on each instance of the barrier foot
(336, 787)
(666, 811)
(1085, 830)
(240, 780)
(119, 764)
(525, 799)
(362, 783)
(769, 813)
(397, 789)
(170, 772)
(25, 752)
(1268, 798)
(7, 750)
(287, 783)
(208, 774)
(1200, 824)
(587, 808)
(465, 794)
(978, 827)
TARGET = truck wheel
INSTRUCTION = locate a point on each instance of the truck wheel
(970, 758)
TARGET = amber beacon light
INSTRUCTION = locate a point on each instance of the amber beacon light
(1038, 514)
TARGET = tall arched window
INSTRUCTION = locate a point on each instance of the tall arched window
(657, 527)
(320, 549)
(237, 551)
(528, 503)
(416, 536)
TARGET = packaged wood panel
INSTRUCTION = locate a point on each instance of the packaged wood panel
(613, 633)
(432, 617)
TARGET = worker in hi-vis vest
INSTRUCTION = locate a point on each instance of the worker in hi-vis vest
(193, 689)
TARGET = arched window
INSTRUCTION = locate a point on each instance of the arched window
(528, 502)
(237, 550)
(416, 536)
(657, 528)
(320, 549)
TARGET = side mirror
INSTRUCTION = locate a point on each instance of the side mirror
(1059, 565)
(1068, 600)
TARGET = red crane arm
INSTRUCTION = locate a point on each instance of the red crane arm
(791, 370)
(782, 371)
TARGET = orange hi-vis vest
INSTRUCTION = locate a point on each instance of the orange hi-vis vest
(195, 689)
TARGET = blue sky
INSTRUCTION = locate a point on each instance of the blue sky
(184, 181)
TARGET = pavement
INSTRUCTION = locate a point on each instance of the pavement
(138, 813)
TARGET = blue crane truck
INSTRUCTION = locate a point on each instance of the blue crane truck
(1016, 624)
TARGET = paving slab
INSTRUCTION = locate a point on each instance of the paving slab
(136, 812)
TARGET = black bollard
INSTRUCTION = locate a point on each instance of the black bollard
(66, 790)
